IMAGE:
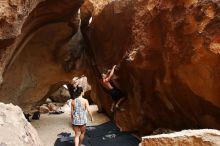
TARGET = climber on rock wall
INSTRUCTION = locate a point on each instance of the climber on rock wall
(116, 94)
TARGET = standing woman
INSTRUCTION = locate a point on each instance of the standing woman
(79, 108)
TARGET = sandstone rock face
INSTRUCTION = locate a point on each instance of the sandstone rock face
(15, 129)
(34, 54)
(53, 107)
(44, 109)
(13, 14)
(167, 53)
(204, 137)
(169, 61)
(82, 82)
(61, 95)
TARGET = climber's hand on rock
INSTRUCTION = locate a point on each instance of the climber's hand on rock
(117, 67)
(113, 68)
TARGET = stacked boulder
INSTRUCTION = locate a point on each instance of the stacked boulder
(15, 129)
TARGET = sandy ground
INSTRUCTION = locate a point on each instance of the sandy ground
(50, 125)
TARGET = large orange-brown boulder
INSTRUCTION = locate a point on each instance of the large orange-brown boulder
(203, 137)
(168, 52)
(37, 42)
(61, 95)
(15, 129)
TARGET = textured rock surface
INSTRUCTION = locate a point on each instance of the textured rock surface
(61, 95)
(171, 71)
(15, 129)
(34, 53)
(204, 137)
(168, 53)
(44, 109)
(13, 14)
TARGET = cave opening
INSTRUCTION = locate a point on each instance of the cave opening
(166, 53)
(55, 109)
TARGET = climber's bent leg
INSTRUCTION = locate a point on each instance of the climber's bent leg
(112, 106)
(119, 102)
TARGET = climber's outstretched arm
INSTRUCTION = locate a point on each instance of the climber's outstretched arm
(111, 74)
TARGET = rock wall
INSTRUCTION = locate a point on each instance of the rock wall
(63, 93)
(168, 56)
(36, 39)
(167, 53)
(204, 137)
(15, 129)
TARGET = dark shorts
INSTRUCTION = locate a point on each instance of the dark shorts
(78, 125)
(116, 94)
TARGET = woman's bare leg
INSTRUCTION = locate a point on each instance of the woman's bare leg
(83, 131)
(77, 135)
